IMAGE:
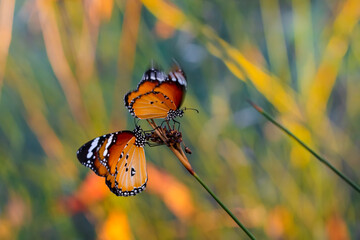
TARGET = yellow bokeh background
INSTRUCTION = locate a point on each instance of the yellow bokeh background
(66, 65)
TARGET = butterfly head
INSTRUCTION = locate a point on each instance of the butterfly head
(172, 114)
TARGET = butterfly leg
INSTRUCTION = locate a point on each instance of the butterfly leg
(178, 124)
(162, 124)
(168, 123)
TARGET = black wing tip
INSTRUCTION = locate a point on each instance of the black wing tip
(81, 154)
(126, 97)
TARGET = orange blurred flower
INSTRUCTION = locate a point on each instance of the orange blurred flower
(175, 195)
(336, 228)
(279, 223)
(99, 9)
(6, 22)
(164, 30)
(166, 11)
(115, 227)
(92, 190)
(16, 213)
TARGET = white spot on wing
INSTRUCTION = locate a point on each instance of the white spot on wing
(180, 78)
(94, 143)
(108, 144)
(161, 76)
(173, 78)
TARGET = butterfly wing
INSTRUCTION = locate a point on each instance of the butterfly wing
(174, 86)
(130, 171)
(112, 148)
(173, 91)
(149, 81)
(104, 154)
(89, 155)
(152, 105)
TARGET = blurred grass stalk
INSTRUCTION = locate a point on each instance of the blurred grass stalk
(321, 159)
(179, 153)
(6, 21)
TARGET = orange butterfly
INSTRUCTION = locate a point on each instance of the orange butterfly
(158, 95)
(120, 158)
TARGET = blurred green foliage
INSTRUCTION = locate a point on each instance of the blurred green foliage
(69, 64)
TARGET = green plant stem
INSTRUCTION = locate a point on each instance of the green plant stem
(224, 207)
(179, 153)
(321, 159)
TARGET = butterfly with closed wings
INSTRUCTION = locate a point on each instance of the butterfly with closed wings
(158, 95)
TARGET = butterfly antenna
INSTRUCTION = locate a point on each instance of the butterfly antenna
(152, 64)
(185, 108)
(176, 63)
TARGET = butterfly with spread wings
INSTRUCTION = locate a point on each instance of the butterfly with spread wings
(120, 158)
(158, 95)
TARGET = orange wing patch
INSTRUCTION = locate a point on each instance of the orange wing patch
(100, 169)
(149, 81)
(152, 105)
(144, 87)
(173, 91)
(116, 149)
(132, 172)
(131, 176)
